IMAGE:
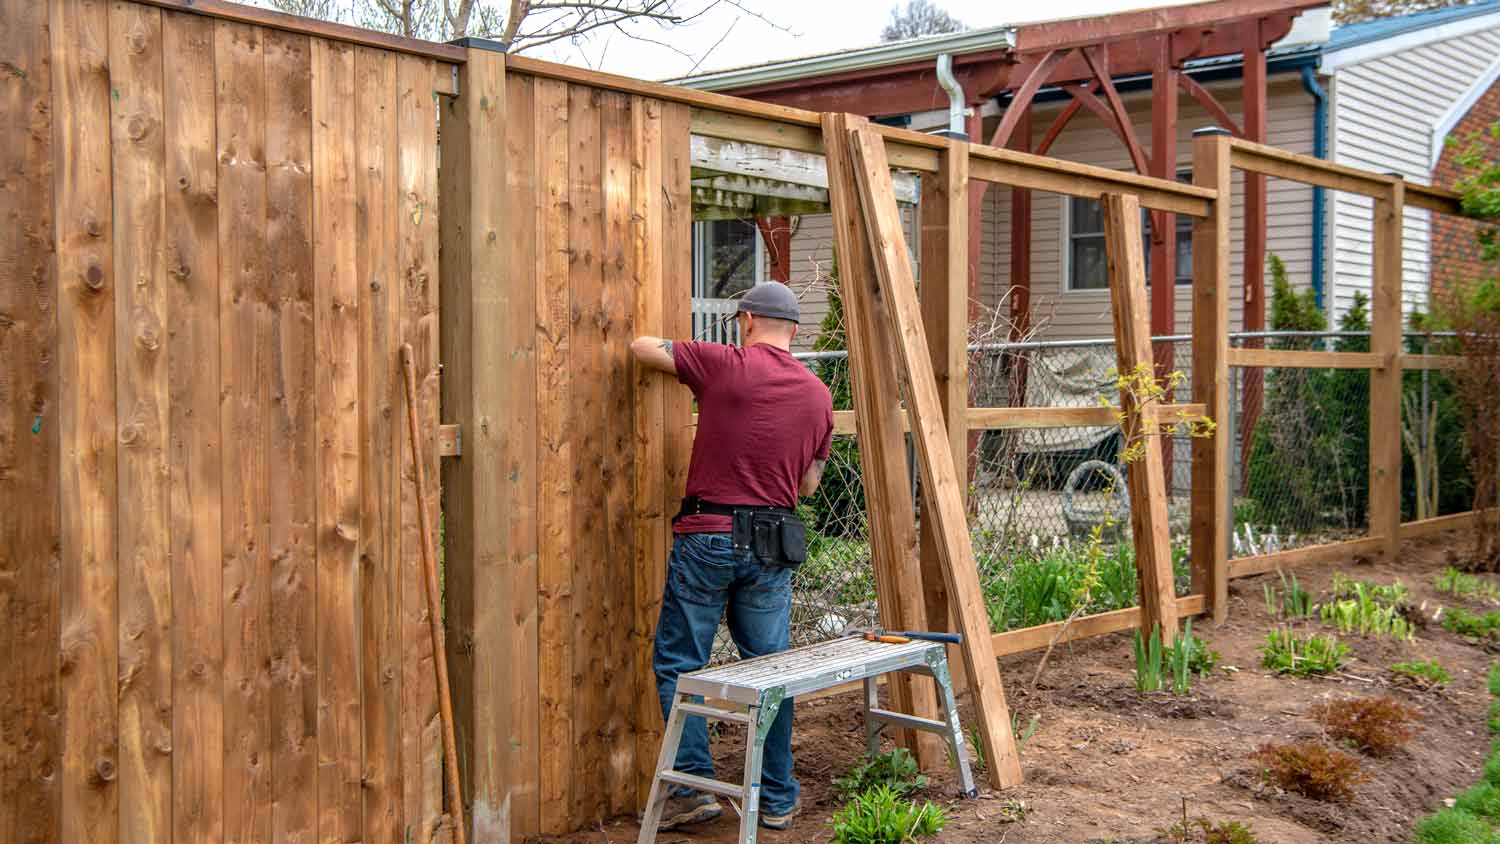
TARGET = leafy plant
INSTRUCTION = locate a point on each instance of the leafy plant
(1202, 659)
(1461, 585)
(1427, 673)
(1023, 735)
(1363, 615)
(895, 769)
(1303, 656)
(881, 816)
(1310, 769)
(1375, 726)
(1453, 826)
(1207, 832)
(1148, 661)
(1390, 594)
(1188, 656)
(1465, 623)
(1291, 602)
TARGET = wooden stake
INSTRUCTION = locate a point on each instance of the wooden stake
(1147, 478)
(434, 601)
(897, 288)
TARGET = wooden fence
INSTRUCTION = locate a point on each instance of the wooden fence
(217, 235)
(219, 226)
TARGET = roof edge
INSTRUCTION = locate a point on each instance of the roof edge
(1381, 42)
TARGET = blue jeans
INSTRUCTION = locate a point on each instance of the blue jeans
(705, 575)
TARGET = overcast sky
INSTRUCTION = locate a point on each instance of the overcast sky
(726, 38)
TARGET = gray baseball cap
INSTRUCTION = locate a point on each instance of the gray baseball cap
(772, 299)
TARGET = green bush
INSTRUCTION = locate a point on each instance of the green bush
(1028, 588)
(1302, 656)
(1465, 623)
(881, 816)
(896, 770)
(1482, 800)
(1204, 831)
(1452, 826)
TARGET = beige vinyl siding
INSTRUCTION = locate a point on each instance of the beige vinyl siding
(1071, 314)
(1384, 112)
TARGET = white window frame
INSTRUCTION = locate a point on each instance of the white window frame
(1066, 247)
(701, 230)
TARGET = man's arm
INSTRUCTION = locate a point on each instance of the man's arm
(655, 353)
(811, 478)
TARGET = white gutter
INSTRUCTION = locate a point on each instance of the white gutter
(900, 52)
(957, 125)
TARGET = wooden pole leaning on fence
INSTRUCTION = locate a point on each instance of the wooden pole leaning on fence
(434, 601)
(896, 286)
(882, 453)
(1146, 478)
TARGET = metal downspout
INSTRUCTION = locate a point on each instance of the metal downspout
(1320, 150)
(957, 111)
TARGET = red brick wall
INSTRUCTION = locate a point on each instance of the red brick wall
(1455, 256)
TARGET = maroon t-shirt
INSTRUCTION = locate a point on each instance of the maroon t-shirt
(763, 418)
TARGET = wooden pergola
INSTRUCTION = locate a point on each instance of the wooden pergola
(1081, 56)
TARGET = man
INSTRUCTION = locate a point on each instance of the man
(765, 424)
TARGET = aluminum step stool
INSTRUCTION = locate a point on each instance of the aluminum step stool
(761, 684)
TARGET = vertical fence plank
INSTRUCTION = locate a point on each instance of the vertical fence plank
(417, 247)
(944, 210)
(882, 455)
(1147, 477)
(337, 325)
(586, 342)
(30, 467)
(1210, 517)
(379, 630)
(520, 618)
(651, 530)
(293, 450)
(86, 415)
(676, 297)
(618, 314)
(554, 513)
(858, 155)
(141, 320)
(1385, 383)
(246, 334)
(475, 275)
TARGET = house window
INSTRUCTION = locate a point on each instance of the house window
(727, 258)
(1085, 247)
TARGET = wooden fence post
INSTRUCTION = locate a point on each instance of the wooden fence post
(944, 211)
(477, 340)
(1146, 477)
(882, 225)
(1210, 520)
(1385, 382)
(882, 445)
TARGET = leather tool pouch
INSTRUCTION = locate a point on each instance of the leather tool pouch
(776, 539)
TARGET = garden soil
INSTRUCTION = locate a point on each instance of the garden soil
(1110, 764)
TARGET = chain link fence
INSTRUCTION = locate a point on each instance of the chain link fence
(1299, 469)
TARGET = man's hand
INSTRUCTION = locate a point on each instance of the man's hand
(655, 353)
(811, 478)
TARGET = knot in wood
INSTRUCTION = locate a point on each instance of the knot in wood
(138, 38)
(147, 331)
(138, 127)
(130, 432)
(93, 277)
(104, 770)
(91, 226)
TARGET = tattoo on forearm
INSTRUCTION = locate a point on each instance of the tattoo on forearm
(666, 346)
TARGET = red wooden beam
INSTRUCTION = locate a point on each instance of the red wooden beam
(1147, 23)
(1254, 81)
(1163, 225)
(1060, 122)
(1210, 103)
(1098, 61)
(1020, 104)
(776, 233)
(1084, 96)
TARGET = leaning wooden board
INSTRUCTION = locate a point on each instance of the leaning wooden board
(877, 203)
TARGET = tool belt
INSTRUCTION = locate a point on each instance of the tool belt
(774, 534)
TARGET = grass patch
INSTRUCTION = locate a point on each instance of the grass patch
(895, 769)
(1204, 831)
(1302, 656)
(1482, 800)
(1427, 673)
(1494, 680)
(1291, 601)
(1460, 585)
(1364, 609)
(1374, 725)
(1027, 588)
(1310, 769)
(1473, 625)
(1474, 812)
(1454, 826)
(881, 816)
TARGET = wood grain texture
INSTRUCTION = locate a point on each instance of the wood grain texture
(518, 616)
(554, 514)
(336, 319)
(677, 291)
(474, 260)
(882, 457)
(1310, 555)
(652, 529)
(1087, 627)
(1385, 383)
(141, 320)
(1210, 519)
(1146, 479)
(877, 205)
(30, 461)
(417, 267)
(88, 659)
(293, 513)
(246, 368)
(1303, 359)
(379, 394)
(195, 448)
(586, 344)
(620, 684)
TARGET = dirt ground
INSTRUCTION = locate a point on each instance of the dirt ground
(1109, 764)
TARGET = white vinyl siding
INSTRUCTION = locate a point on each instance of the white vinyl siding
(1384, 114)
